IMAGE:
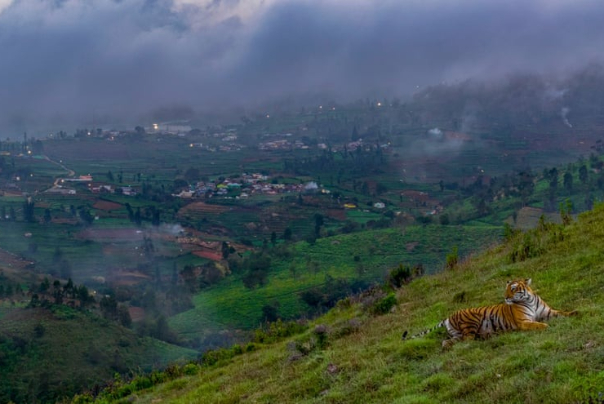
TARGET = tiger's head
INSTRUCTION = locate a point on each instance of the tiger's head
(518, 291)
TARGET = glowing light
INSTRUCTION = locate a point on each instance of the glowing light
(379, 104)
(320, 106)
(155, 126)
(191, 145)
(268, 116)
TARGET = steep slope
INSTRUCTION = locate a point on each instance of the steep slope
(353, 356)
(48, 354)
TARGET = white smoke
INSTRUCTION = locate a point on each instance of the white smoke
(435, 143)
(436, 133)
(563, 113)
(553, 94)
(172, 229)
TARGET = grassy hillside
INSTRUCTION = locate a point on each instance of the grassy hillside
(361, 357)
(46, 354)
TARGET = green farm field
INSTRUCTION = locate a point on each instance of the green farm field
(230, 304)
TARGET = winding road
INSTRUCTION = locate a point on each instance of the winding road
(70, 172)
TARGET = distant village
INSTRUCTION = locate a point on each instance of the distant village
(245, 186)
(242, 187)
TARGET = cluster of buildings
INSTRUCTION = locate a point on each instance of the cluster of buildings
(282, 144)
(60, 187)
(243, 187)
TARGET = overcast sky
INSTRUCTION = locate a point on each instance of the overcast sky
(68, 60)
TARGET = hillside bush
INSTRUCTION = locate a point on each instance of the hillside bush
(384, 305)
(278, 330)
(403, 274)
(452, 259)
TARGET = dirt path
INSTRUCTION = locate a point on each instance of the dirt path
(70, 172)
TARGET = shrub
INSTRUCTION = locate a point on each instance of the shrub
(320, 332)
(190, 369)
(278, 330)
(399, 276)
(384, 305)
(452, 259)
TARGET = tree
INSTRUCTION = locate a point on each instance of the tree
(69, 289)
(108, 306)
(287, 233)
(318, 223)
(444, 219)
(257, 267)
(123, 316)
(583, 174)
(44, 285)
(47, 216)
(225, 250)
(156, 219)
(553, 178)
(399, 276)
(313, 297)
(526, 185)
(273, 238)
(568, 181)
(38, 147)
(137, 217)
(28, 210)
(270, 312)
(57, 292)
(83, 296)
(355, 134)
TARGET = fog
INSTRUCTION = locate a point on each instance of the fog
(83, 62)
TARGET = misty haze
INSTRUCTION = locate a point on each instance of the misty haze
(251, 201)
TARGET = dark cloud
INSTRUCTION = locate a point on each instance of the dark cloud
(66, 61)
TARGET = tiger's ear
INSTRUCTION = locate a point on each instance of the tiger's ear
(508, 282)
(528, 281)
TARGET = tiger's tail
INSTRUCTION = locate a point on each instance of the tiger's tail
(421, 334)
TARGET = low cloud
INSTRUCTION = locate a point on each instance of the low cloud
(82, 61)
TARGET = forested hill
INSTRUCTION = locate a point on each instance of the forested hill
(355, 353)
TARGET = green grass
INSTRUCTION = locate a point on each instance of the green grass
(230, 304)
(372, 365)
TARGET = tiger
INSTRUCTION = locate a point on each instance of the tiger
(523, 310)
